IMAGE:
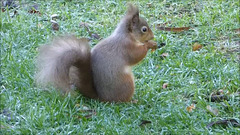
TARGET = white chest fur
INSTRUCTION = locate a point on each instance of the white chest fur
(139, 43)
(127, 70)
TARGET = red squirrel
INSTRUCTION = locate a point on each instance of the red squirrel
(104, 72)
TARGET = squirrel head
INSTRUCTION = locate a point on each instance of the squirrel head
(137, 25)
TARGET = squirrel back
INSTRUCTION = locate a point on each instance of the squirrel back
(105, 71)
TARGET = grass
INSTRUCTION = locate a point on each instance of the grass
(191, 75)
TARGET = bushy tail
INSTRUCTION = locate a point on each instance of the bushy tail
(64, 62)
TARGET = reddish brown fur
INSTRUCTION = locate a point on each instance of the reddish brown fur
(105, 72)
(113, 57)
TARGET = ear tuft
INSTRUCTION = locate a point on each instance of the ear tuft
(133, 12)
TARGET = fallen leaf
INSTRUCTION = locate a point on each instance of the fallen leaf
(144, 122)
(55, 25)
(214, 111)
(218, 96)
(165, 85)
(180, 29)
(190, 108)
(196, 46)
(225, 122)
(34, 10)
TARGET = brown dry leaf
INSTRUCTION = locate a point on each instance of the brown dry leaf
(218, 96)
(34, 10)
(190, 108)
(165, 85)
(55, 25)
(225, 122)
(180, 29)
(196, 46)
(144, 122)
(214, 111)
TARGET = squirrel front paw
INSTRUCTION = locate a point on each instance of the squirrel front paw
(151, 45)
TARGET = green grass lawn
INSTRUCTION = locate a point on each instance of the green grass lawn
(192, 76)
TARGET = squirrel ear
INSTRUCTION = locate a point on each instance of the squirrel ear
(134, 12)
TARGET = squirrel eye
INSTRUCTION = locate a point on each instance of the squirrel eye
(144, 29)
